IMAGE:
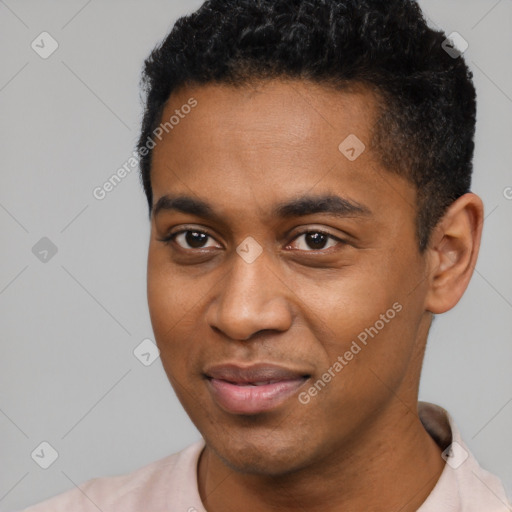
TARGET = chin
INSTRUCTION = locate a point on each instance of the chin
(252, 462)
(265, 454)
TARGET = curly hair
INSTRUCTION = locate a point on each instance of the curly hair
(427, 100)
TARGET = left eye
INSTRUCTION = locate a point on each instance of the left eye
(316, 240)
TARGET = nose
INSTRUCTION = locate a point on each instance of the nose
(251, 298)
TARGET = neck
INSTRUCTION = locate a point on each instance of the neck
(393, 464)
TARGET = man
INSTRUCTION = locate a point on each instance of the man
(307, 165)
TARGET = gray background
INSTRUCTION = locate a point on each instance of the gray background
(69, 326)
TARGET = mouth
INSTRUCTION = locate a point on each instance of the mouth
(253, 389)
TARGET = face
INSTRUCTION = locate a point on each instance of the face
(285, 285)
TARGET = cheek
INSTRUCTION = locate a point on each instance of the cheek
(172, 308)
(371, 322)
(343, 308)
(170, 295)
(365, 363)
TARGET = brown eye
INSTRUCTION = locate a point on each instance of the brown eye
(195, 239)
(192, 239)
(315, 241)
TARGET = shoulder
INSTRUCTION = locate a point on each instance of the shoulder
(463, 485)
(132, 491)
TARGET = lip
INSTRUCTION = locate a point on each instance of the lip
(253, 389)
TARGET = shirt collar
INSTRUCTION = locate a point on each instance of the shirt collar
(463, 485)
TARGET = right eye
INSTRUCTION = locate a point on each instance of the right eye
(190, 239)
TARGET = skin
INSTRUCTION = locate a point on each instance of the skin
(358, 444)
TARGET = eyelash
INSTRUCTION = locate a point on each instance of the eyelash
(170, 238)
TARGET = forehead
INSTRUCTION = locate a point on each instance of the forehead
(274, 115)
(273, 140)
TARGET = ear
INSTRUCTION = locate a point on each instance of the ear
(452, 253)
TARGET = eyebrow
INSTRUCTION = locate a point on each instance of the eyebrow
(331, 204)
(298, 207)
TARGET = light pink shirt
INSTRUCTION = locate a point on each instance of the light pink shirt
(170, 484)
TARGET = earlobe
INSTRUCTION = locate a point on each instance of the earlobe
(453, 252)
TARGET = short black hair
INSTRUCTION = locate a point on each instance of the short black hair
(427, 100)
